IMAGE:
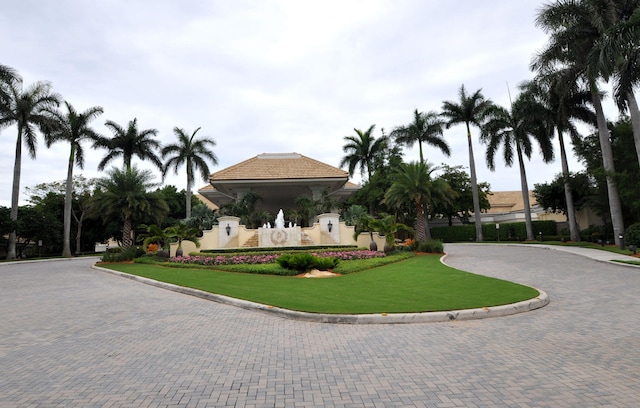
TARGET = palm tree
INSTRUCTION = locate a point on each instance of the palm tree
(469, 109)
(362, 151)
(182, 232)
(388, 227)
(128, 143)
(413, 184)
(194, 154)
(617, 53)
(125, 196)
(28, 109)
(564, 102)
(8, 76)
(72, 127)
(576, 27)
(425, 128)
(514, 130)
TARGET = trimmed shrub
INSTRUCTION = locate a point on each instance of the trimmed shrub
(304, 262)
(632, 234)
(513, 231)
(433, 246)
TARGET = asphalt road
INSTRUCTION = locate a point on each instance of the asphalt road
(71, 336)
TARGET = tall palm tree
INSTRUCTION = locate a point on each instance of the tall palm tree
(363, 150)
(124, 195)
(413, 184)
(426, 128)
(72, 127)
(514, 130)
(192, 152)
(8, 76)
(130, 142)
(469, 109)
(563, 102)
(28, 109)
(617, 53)
(575, 28)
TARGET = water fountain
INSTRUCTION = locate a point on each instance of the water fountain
(280, 235)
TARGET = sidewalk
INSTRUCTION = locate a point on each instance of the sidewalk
(596, 254)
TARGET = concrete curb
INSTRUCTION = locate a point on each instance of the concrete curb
(379, 318)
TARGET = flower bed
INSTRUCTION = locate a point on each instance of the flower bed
(269, 258)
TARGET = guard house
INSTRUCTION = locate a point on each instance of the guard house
(279, 178)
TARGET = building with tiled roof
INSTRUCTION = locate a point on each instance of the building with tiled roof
(278, 178)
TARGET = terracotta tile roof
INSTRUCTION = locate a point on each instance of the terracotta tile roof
(270, 166)
(508, 201)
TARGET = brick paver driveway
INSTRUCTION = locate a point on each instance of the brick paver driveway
(73, 336)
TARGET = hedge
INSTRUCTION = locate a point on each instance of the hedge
(514, 231)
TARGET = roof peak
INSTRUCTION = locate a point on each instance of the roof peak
(292, 155)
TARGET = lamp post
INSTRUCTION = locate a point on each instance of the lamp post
(540, 233)
(498, 230)
(621, 238)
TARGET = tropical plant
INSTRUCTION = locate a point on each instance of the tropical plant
(426, 128)
(576, 28)
(155, 235)
(563, 102)
(193, 153)
(182, 232)
(124, 195)
(470, 110)
(513, 130)
(362, 151)
(71, 127)
(28, 109)
(388, 227)
(413, 184)
(129, 142)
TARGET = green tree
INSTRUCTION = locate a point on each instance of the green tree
(182, 232)
(73, 128)
(460, 182)
(193, 153)
(362, 151)
(413, 184)
(388, 226)
(129, 142)
(125, 196)
(563, 102)
(427, 127)
(513, 130)
(82, 190)
(576, 27)
(27, 109)
(551, 195)
(470, 110)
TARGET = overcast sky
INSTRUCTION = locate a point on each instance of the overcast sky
(268, 76)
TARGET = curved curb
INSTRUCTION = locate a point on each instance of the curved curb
(378, 318)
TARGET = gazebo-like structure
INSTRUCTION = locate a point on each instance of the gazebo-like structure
(278, 178)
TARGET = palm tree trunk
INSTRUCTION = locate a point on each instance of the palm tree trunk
(422, 226)
(127, 242)
(66, 238)
(574, 230)
(15, 192)
(525, 194)
(607, 162)
(634, 114)
(79, 234)
(474, 189)
(188, 194)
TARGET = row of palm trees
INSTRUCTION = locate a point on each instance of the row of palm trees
(590, 40)
(36, 108)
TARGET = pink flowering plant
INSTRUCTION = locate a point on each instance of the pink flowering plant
(269, 258)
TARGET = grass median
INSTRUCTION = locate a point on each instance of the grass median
(417, 284)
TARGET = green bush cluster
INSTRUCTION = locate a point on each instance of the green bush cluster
(513, 231)
(249, 251)
(118, 255)
(433, 246)
(632, 234)
(304, 262)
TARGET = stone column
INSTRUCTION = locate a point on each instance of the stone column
(329, 228)
(228, 232)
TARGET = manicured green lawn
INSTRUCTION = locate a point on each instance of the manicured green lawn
(418, 284)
